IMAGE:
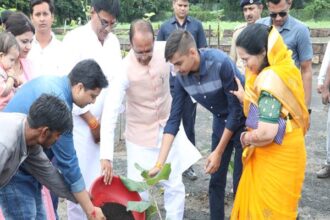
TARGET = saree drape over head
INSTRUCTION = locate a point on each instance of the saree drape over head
(273, 175)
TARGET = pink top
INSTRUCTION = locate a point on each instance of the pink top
(26, 76)
(3, 79)
(27, 69)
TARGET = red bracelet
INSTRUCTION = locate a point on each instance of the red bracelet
(93, 213)
(93, 123)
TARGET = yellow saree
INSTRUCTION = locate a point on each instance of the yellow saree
(271, 182)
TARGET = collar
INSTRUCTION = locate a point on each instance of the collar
(173, 20)
(205, 62)
(286, 26)
(53, 37)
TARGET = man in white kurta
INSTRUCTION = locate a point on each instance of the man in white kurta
(145, 82)
(46, 51)
(95, 41)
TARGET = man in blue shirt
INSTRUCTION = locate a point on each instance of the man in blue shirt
(296, 36)
(208, 75)
(181, 20)
(81, 86)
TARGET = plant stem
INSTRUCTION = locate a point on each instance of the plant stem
(155, 202)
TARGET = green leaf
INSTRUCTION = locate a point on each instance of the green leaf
(151, 211)
(144, 172)
(231, 166)
(162, 175)
(140, 206)
(132, 185)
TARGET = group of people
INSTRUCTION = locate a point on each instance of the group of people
(259, 107)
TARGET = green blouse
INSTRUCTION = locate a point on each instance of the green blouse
(269, 108)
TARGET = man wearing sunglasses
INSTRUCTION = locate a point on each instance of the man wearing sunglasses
(296, 36)
(93, 40)
(252, 10)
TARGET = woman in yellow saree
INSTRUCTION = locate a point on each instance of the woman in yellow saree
(274, 155)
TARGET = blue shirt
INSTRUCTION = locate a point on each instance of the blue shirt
(209, 87)
(192, 25)
(297, 38)
(63, 149)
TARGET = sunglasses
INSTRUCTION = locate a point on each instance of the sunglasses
(106, 24)
(281, 14)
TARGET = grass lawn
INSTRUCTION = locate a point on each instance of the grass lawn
(122, 28)
(232, 25)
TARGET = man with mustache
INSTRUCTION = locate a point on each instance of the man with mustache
(145, 84)
(296, 36)
(252, 10)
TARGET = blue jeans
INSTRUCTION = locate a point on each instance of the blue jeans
(218, 180)
(21, 198)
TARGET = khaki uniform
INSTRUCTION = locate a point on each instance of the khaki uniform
(233, 52)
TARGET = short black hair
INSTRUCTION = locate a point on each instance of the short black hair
(52, 112)
(38, 2)
(7, 41)
(179, 41)
(89, 73)
(110, 6)
(18, 23)
(254, 38)
(275, 2)
(140, 25)
(4, 16)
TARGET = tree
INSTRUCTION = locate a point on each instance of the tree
(134, 9)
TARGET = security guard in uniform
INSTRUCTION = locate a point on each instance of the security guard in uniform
(252, 10)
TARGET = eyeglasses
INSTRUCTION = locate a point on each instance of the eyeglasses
(105, 23)
(281, 14)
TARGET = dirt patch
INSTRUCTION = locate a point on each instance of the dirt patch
(115, 211)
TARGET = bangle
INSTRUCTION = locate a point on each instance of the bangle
(93, 123)
(159, 165)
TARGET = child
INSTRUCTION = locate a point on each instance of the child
(9, 52)
(208, 75)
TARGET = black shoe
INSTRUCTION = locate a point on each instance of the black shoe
(190, 174)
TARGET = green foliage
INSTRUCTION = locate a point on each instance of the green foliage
(69, 11)
(138, 206)
(132, 185)
(134, 9)
(232, 10)
(65, 10)
(151, 211)
(148, 184)
(205, 15)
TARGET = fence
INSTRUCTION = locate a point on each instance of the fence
(221, 39)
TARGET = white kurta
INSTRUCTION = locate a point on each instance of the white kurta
(82, 43)
(46, 61)
(182, 155)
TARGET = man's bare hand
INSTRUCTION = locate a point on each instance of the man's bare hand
(96, 133)
(153, 172)
(212, 163)
(320, 88)
(107, 171)
(97, 214)
(325, 96)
